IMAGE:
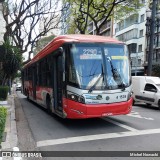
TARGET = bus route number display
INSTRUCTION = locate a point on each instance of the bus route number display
(90, 53)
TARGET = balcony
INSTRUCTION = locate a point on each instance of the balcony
(125, 26)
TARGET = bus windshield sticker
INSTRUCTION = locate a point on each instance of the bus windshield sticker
(90, 56)
(119, 57)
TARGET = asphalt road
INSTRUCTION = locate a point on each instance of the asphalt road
(137, 131)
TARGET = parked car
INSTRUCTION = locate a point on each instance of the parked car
(18, 87)
(146, 89)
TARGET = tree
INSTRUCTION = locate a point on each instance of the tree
(42, 43)
(11, 60)
(22, 18)
(156, 70)
(99, 12)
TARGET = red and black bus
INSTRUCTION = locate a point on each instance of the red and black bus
(80, 76)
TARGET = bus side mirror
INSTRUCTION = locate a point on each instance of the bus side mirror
(61, 62)
(60, 50)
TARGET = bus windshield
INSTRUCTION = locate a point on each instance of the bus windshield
(99, 66)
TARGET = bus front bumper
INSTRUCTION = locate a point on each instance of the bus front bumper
(76, 110)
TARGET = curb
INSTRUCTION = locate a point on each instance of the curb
(11, 140)
(10, 128)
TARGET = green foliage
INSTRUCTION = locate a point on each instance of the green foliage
(42, 43)
(11, 60)
(3, 114)
(156, 70)
(125, 9)
(3, 92)
(99, 12)
(18, 74)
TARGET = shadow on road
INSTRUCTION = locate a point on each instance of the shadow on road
(146, 106)
(79, 124)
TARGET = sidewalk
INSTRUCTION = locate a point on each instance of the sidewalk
(18, 134)
(10, 129)
(11, 139)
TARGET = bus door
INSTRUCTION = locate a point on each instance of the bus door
(34, 81)
(22, 75)
(58, 83)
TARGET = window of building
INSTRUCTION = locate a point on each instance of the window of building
(141, 33)
(140, 48)
(158, 55)
(128, 35)
(139, 62)
(132, 48)
(142, 18)
(133, 62)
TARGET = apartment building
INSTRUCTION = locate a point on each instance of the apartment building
(132, 31)
(64, 18)
(156, 44)
(106, 30)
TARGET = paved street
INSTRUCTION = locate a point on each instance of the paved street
(138, 131)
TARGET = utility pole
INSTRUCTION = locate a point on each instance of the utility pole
(152, 32)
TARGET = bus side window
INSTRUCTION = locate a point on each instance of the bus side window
(43, 69)
(48, 71)
(40, 73)
(30, 73)
(37, 74)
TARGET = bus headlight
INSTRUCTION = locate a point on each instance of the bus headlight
(76, 98)
(81, 99)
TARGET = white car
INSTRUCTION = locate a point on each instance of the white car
(18, 87)
(146, 89)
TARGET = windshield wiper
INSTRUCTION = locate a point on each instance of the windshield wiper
(117, 77)
(93, 86)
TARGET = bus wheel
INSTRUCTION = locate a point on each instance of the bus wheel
(133, 102)
(28, 95)
(48, 103)
(159, 104)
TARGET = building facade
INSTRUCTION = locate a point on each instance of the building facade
(65, 15)
(132, 31)
(106, 30)
(156, 36)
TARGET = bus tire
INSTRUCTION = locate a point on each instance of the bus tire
(28, 95)
(48, 104)
(133, 102)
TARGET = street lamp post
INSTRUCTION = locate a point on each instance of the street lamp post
(152, 30)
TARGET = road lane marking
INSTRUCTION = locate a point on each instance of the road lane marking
(137, 115)
(120, 124)
(96, 137)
